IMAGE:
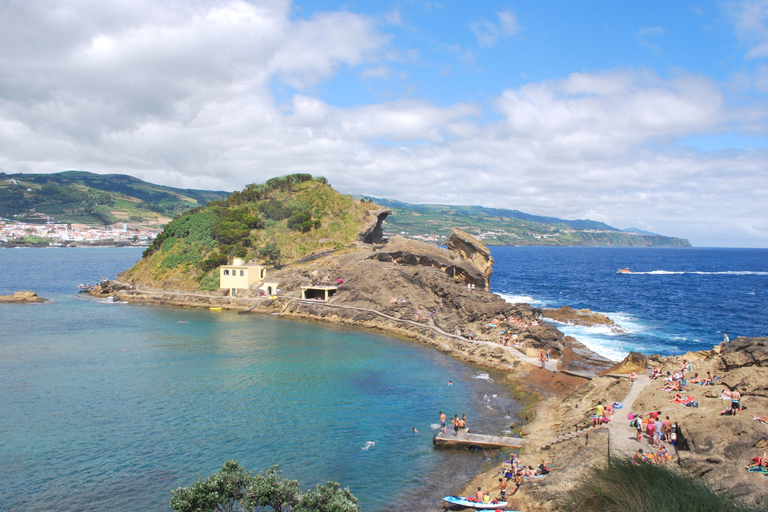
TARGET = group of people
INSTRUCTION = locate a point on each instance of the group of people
(517, 471)
(506, 336)
(657, 430)
(661, 456)
(603, 413)
(522, 323)
(456, 422)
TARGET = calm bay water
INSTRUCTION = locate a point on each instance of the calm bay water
(675, 301)
(110, 406)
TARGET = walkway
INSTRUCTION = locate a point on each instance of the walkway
(550, 365)
(622, 440)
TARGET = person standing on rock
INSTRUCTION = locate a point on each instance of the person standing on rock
(442, 422)
(735, 401)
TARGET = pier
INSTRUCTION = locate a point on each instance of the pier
(468, 440)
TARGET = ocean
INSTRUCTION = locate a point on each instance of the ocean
(109, 406)
(676, 300)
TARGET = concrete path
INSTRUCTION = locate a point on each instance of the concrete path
(622, 440)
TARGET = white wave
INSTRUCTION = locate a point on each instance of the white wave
(484, 376)
(521, 299)
(434, 426)
(599, 342)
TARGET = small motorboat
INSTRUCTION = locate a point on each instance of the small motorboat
(473, 503)
(624, 271)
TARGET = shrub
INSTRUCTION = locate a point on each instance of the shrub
(623, 486)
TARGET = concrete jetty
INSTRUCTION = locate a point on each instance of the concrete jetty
(467, 440)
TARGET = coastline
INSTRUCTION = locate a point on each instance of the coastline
(525, 382)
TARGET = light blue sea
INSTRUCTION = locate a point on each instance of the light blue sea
(108, 406)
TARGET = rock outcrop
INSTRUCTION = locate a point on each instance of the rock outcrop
(474, 251)
(586, 317)
(23, 297)
(373, 233)
(635, 361)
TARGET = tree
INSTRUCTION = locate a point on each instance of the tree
(221, 492)
(269, 490)
(234, 490)
(270, 252)
(329, 497)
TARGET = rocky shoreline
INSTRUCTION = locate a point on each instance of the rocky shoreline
(426, 294)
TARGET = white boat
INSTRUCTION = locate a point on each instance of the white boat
(624, 271)
(473, 503)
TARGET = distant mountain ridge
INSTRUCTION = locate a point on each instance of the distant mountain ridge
(495, 226)
(87, 198)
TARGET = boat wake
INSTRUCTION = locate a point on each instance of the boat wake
(704, 273)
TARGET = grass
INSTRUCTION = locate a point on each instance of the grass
(623, 486)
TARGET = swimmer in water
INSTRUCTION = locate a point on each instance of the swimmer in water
(415, 431)
(368, 445)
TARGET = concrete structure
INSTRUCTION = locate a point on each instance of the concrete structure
(269, 288)
(318, 292)
(240, 276)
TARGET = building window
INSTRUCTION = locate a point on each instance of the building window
(226, 272)
(241, 273)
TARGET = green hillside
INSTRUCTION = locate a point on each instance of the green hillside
(280, 221)
(509, 227)
(87, 198)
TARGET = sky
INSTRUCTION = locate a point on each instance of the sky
(645, 114)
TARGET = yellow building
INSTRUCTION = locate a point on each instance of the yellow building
(240, 276)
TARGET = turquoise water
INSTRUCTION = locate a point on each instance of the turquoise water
(110, 406)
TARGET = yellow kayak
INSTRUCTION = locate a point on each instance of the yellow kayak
(215, 308)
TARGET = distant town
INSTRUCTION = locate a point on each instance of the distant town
(54, 234)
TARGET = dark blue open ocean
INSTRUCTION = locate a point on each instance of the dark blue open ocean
(676, 299)
(110, 406)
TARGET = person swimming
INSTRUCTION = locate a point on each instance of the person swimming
(368, 445)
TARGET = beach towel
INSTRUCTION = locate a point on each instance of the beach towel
(758, 469)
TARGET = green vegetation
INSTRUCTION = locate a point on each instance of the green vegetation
(234, 489)
(495, 226)
(623, 486)
(279, 221)
(87, 198)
